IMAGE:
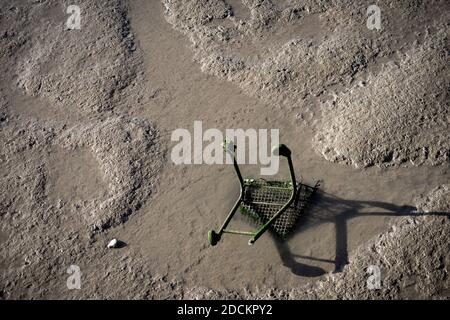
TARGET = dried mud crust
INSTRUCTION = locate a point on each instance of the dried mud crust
(46, 230)
(82, 71)
(255, 44)
(400, 117)
(82, 166)
(90, 77)
(125, 152)
(42, 232)
(413, 258)
(262, 54)
(438, 200)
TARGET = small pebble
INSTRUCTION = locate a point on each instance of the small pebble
(113, 244)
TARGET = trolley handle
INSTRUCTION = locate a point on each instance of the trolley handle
(281, 150)
(284, 151)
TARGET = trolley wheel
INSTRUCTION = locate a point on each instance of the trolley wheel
(213, 237)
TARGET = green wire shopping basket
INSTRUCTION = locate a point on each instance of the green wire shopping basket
(274, 205)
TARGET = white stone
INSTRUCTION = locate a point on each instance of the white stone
(113, 243)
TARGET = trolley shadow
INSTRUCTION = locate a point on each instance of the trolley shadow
(326, 208)
(283, 208)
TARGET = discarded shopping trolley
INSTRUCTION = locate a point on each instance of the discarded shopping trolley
(274, 205)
